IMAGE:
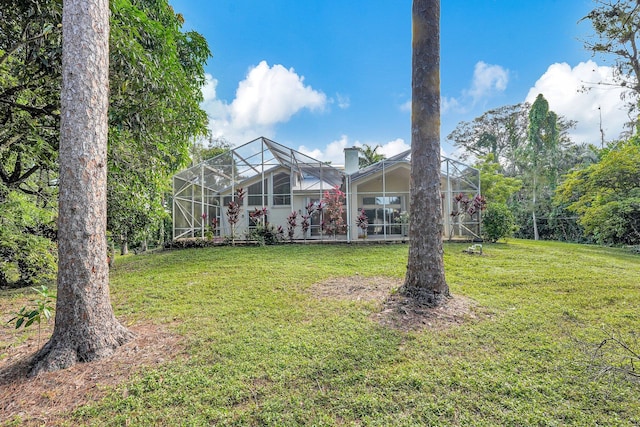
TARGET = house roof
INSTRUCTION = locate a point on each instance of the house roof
(257, 157)
(465, 175)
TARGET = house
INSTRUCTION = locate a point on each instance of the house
(283, 181)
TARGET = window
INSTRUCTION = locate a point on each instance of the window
(256, 195)
(281, 189)
(383, 213)
(381, 201)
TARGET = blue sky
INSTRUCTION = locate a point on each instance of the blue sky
(319, 75)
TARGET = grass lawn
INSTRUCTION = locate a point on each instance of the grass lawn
(261, 349)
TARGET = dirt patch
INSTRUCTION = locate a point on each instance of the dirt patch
(45, 399)
(356, 288)
(397, 311)
(401, 313)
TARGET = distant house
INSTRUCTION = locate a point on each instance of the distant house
(283, 180)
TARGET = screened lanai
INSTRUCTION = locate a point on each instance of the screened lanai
(280, 180)
(272, 175)
(381, 190)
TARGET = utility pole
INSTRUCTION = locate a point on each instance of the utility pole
(601, 131)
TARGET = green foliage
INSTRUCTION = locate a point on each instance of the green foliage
(369, 155)
(276, 351)
(496, 188)
(266, 234)
(42, 308)
(190, 243)
(156, 71)
(498, 132)
(606, 195)
(214, 147)
(530, 145)
(156, 74)
(27, 255)
(616, 26)
(497, 222)
(30, 66)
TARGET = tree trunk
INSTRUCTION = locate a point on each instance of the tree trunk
(534, 201)
(425, 282)
(85, 326)
(124, 246)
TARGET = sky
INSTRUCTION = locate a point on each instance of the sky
(322, 75)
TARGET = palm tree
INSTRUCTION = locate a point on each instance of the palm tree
(369, 155)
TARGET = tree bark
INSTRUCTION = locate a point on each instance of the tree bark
(85, 326)
(124, 245)
(536, 236)
(425, 280)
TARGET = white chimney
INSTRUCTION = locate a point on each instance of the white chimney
(351, 160)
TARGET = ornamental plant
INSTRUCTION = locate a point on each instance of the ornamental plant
(306, 219)
(497, 222)
(333, 208)
(267, 234)
(468, 206)
(233, 212)
(292, 223)
(362, 221)
(258, 215)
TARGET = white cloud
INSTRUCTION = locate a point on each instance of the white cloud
(448, 104)
(394, 147)
(271, 95)
(334, 151)
(343, 101)
(266, 97)
(563, 87)
(487, 80)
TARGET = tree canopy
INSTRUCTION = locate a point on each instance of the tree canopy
(606, 195)
(156, 71)
(616, 26)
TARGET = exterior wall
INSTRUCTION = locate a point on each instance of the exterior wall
(383, 218)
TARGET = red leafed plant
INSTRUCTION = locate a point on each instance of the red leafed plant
(233, 212)
(333, 207)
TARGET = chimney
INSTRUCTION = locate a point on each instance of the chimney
(351, 160)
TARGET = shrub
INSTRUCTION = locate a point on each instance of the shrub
(497, 222)
(267, 234)
(333, 207)
(27, 253)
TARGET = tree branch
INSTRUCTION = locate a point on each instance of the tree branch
(47, 110)
(23, 43)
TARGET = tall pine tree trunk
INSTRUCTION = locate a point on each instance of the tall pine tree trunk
(536, 236)
(425, 282)
(85, 326)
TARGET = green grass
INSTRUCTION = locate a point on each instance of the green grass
(263, 351)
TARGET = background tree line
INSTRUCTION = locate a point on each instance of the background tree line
(156, 71)
(548, 186)
(542, 185)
